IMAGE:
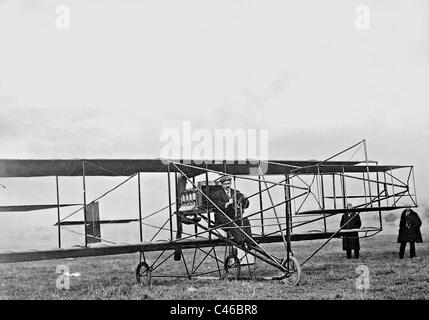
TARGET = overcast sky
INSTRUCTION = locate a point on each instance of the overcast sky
(128, 69)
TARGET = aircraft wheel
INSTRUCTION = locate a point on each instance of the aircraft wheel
(293, 277)
(144, 274)
(232, 267)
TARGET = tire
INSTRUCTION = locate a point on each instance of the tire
(144, 274)
(293, 277)
(232, 267)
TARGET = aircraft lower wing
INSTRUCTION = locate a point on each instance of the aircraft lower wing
(104, 250)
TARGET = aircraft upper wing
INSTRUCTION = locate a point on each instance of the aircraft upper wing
(128, 167)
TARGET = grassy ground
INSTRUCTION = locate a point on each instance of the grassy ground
(327, 276)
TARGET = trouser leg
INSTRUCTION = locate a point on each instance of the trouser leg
(356, 253)
(178, 251)
(239, 233)
(246, 227)
(221, 220)
(235, 229)
(412, 249)
(349, 253)
(402, 250)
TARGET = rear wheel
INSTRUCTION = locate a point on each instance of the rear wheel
(144, 274)
(293, 274)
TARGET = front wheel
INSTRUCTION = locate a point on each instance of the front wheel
(144, 274)
(232, 266)
(293, 274)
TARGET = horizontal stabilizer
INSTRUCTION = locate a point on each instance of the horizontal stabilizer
(33, 207)
(76, 223)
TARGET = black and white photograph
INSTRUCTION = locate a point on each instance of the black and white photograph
(181, 151)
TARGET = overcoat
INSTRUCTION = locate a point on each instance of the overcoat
(220, 198)
(409, 227)
(351, 240)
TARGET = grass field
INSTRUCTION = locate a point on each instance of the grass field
(327, 276)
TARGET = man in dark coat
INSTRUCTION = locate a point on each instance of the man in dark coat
(351, 220)
(224, 200)
(409, 231)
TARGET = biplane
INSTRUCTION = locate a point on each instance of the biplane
(288, 197)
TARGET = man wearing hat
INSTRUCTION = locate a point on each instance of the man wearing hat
(225, 211)
(351, 220)
(409, 231)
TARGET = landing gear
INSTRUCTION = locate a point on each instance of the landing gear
(144, 274)
(291, 277)
(232, 267)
